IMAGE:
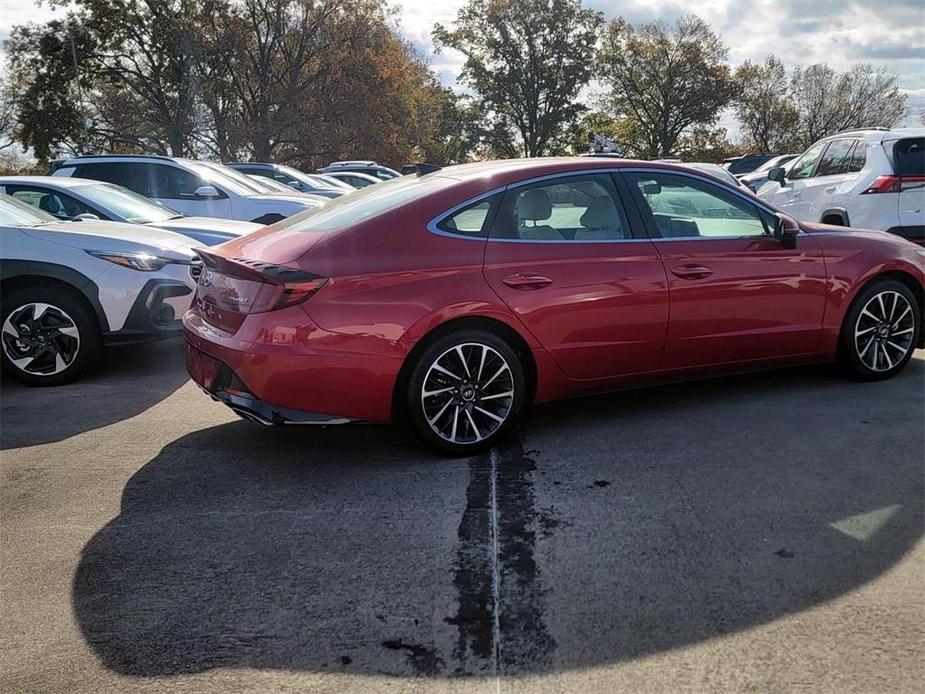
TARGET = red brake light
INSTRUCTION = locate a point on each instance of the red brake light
(273, 296)
(884, 184)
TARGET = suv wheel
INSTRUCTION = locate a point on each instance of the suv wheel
(465, 391)
(48, 335)
(880, 330)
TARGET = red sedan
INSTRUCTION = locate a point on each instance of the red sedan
(453, 299)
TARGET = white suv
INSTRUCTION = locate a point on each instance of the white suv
(70, 287)
(196, 188)
(872, 179)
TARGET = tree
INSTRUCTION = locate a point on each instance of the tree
(665, 80)
(527, 60)
(827, 102)
(766, 116)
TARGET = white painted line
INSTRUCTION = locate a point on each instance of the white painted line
(495, 569)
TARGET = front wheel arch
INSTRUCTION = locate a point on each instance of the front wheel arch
(514, 340)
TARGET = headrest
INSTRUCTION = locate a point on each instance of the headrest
(534, 205)
(600, 214)
(50, 204)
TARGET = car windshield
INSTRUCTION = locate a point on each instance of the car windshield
(362, 204)
(235, 181)
(122, 202)
(773, 163)
(308, 179)
(14, 213)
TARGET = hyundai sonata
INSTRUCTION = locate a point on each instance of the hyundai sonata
(453, 299)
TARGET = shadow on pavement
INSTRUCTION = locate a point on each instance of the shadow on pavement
(127, 382)
(651, 520)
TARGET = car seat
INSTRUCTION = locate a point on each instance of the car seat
(535, 206)
(600, 221)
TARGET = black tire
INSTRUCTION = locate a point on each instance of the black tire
(65, 305)
(474, 433)
(862, 337)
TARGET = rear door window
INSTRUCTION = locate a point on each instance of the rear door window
(831, 162)
(858, 157)
(909, 156)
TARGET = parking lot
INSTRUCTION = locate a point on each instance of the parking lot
(760, 533)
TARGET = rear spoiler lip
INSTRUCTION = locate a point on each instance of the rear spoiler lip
(257, 269)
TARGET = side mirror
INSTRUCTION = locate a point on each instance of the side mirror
(651, 188)
(777, 174)
(786, 230)
(87, 215)
(207, 192)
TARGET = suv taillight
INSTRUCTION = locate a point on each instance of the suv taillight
(894, 184)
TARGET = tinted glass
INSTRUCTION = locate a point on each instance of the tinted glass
(858, 157)
(121, 173)
(685, 207)
(835, 154)
(54, 203)
(16, 213)
(805, 164)
(910, 156)
(571, 208)
(361, 205)
(124, 204)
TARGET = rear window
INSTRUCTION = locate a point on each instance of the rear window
(909, 156)
(364, 203)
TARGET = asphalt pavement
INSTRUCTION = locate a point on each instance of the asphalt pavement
(761, 533)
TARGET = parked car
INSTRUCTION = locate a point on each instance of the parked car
(333, 180)
(293, 178)
(79, 198)
(714, 170)
(382, 173)
(746, 163)
(861, 178)
(353, 178)
(451, 300)
(71, 287)
(192, 187)
(759, 176)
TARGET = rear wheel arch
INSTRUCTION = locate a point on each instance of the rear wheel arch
(905, 278)
(837, 216)
(497, 327)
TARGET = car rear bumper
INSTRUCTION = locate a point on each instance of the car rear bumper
(221, 384)
(280, 367)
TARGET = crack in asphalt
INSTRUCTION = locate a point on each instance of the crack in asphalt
(500, 618)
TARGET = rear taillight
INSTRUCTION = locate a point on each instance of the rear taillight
(252, 286)
(894, 184)
(273, 296)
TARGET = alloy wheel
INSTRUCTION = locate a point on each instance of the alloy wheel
(884, 331)
(468, 393)
(40, 339)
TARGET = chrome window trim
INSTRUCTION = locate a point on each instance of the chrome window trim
(705, 178)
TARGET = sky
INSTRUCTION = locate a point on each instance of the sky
(888, 33)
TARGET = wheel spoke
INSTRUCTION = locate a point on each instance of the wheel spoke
(8, 329)
(870, 315)
(475, 429)
(455, 423)
(70, 332)
(433, 420)
(902, 350)
(478, 376)
(497, 373)
(903, 332)
(858, 333)
(886, 356)
(876, 349)
(23, 363)
(882, 309)
(462, 358)
(485, 412)
(431, 393)
(903, 315)
(439, 368)
(893, 310)
(495, 396)
(867, 347)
